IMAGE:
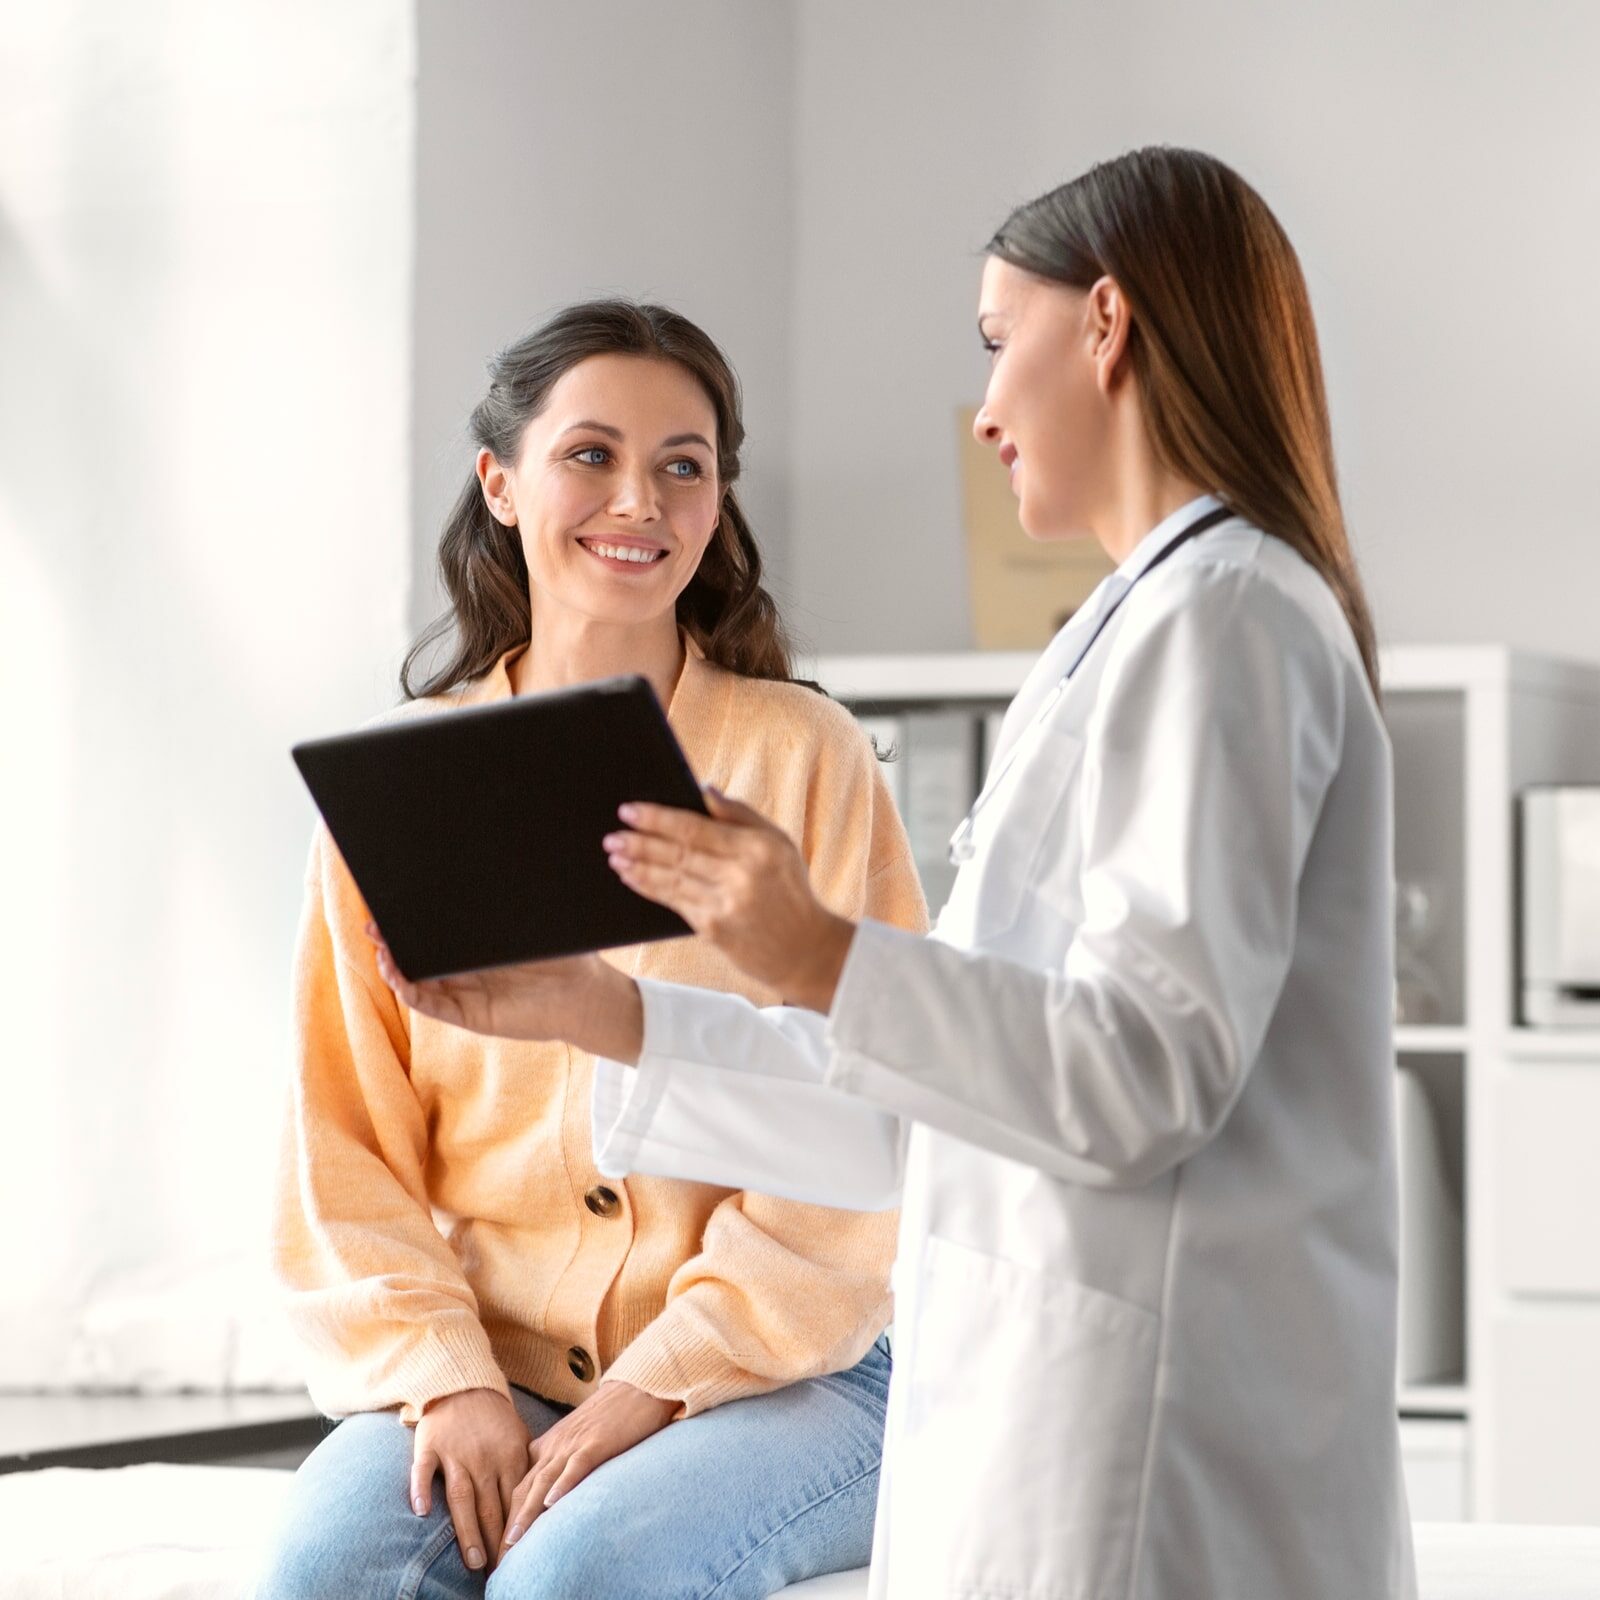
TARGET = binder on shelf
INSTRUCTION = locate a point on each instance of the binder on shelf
(940, 783)
(992, 723)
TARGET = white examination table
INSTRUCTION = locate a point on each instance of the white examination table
(194, 1533)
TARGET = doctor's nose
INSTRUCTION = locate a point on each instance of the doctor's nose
(984, 429)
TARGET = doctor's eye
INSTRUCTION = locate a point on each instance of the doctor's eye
(695, 469)
(991, 347)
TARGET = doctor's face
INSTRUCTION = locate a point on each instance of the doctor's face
(1043, 409)
(614, 490)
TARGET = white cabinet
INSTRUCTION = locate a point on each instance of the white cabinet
(1434, 1452)
(1542, 1367)
(1515, 1433)
(1545, 1133)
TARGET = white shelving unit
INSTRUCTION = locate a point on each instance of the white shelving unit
(1515, 1435)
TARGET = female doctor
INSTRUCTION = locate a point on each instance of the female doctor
(1134, 1093)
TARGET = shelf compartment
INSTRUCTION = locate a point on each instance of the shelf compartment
(1430, 1104)
(1427, 730)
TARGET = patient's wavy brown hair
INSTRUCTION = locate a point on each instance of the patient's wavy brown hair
(724, 607)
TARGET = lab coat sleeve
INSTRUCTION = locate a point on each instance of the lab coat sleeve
(731, 1094)
(1215, 735)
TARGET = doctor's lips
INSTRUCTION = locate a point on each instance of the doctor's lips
(624, 553)
(1008, 458)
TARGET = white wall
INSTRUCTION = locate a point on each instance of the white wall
(571, 151)
(1433, 163)
(205, 237)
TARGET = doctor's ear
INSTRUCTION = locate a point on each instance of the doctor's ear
(1108, 322)
(496, 484)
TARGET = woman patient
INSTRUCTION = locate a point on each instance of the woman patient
(554, 1384)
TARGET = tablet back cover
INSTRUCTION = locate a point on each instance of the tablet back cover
(475, 835)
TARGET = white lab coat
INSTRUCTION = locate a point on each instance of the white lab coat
(1134, 1097)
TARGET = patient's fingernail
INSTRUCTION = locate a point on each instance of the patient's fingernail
(612, 840)
(628, 813)
(418, 1507)
(513, 1533)
(474, 1557)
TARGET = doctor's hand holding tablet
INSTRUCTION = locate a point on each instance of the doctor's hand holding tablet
(732, 877)
(1133, 1094)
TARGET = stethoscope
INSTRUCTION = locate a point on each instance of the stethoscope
(961, 841)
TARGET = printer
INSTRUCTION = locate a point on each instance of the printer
(1558, 857)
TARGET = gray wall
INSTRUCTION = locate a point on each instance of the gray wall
(814, 180)
(1436, 166)
(568, 151)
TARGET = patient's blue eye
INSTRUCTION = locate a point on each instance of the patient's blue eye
(689, 476)
(590, 450)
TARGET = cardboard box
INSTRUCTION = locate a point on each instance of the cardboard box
(1022, 589)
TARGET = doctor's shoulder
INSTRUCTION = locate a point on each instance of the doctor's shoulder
(826, 787)
(1255, 596)
(1243, 635)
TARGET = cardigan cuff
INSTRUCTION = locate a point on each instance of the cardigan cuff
(451, 1354)
(672, 1362)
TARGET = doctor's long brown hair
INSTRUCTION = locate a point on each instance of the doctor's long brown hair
(1222, 341)
(724, 607)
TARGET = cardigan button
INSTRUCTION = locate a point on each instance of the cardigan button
(581, 1363)
(603, 1201)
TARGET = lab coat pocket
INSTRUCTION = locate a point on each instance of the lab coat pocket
(1031, 812)
(1025, 1432)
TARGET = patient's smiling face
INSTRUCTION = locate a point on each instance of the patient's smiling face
(614, 490)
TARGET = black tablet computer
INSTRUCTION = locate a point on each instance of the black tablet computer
(475, 835)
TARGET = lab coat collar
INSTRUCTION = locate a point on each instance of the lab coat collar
(1068, 642)
(1149, 547)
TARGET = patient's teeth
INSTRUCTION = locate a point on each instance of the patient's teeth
(623, 552)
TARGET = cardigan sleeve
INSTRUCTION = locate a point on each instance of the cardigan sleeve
(376, 1295)
(782, 1290)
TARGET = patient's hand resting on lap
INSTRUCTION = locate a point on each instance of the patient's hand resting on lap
(478, 1442)
(482, 1447)
(615, 1418)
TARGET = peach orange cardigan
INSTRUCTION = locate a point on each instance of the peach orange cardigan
(440, 1224)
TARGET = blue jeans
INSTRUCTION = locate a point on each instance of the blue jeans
(733, 1503)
